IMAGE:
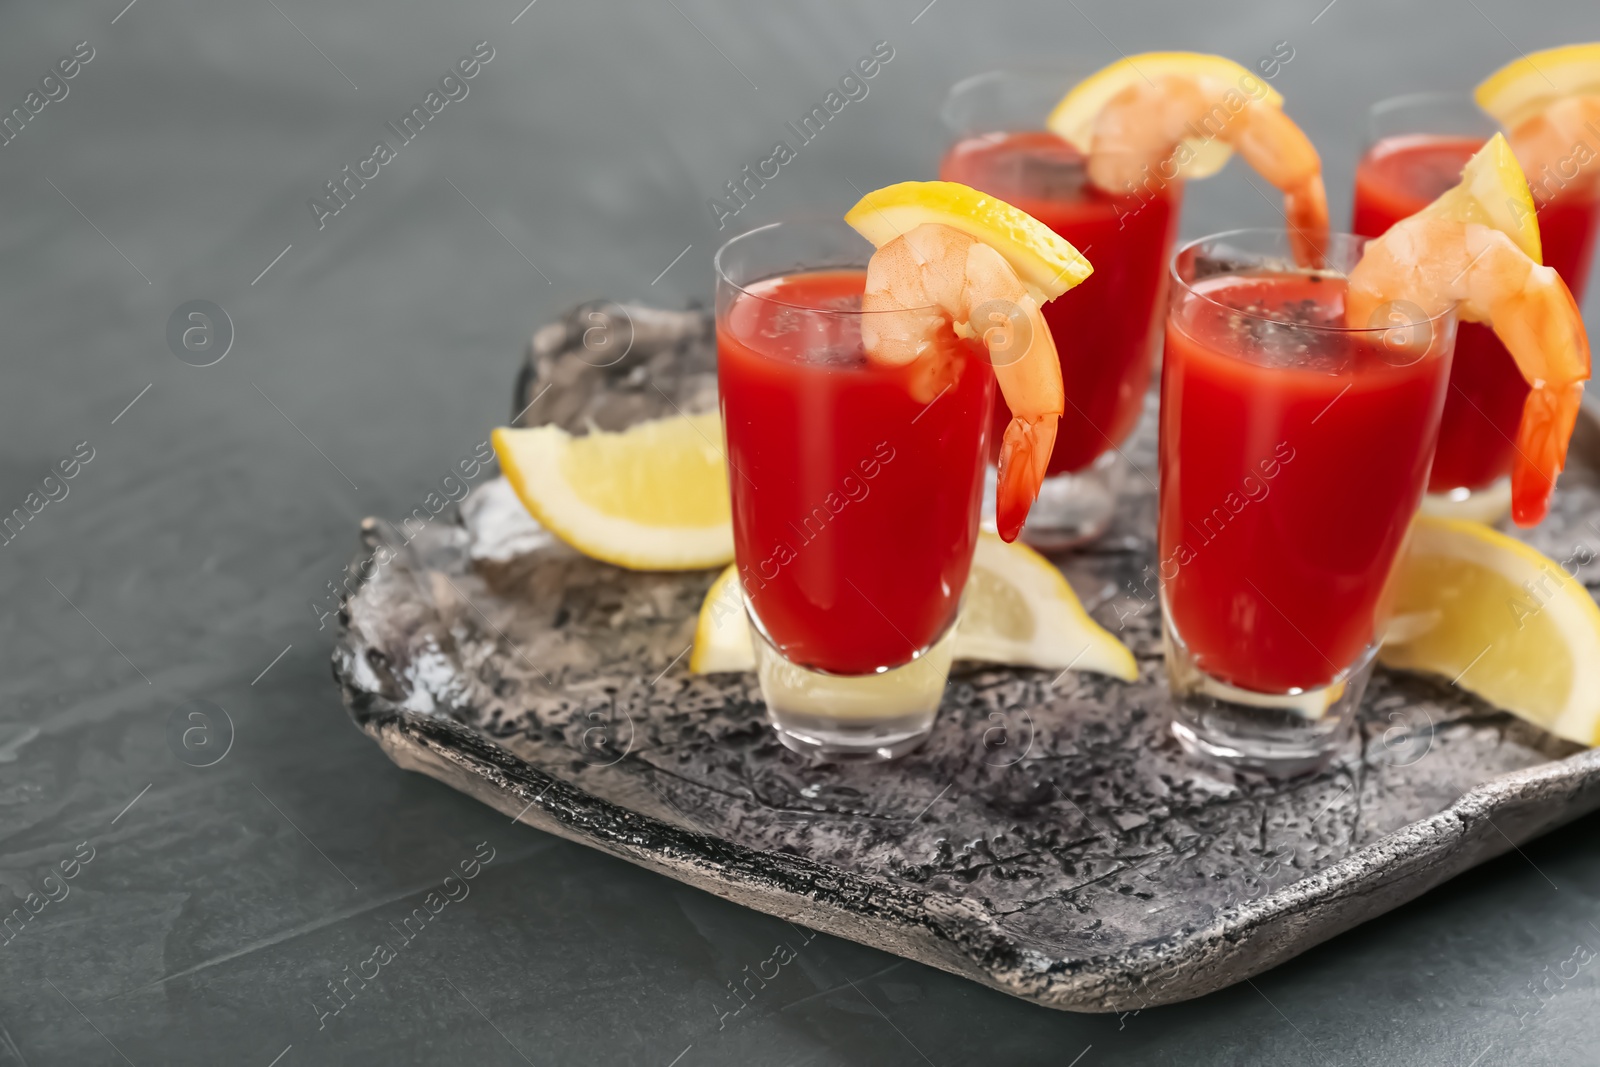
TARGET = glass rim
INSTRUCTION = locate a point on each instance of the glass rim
(743, 288)
(1069, 72)
(1424, 97)
(961, 136)
(1283, 232)
(1464, 99)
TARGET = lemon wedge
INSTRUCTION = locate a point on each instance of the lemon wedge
(1494, 192)
(1045, 261)
(1074, 117)
(1528, 86)
(652, 497)
(1018, 610)
(722, 633)
(1501, 620)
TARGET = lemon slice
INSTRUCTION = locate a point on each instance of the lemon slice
(1503, 621)
(1018, 610)
(653, 497)
(1493, 191)
(1045, 261)
(1073, 119)
(1528, 86)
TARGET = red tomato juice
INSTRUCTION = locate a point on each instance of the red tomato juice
(1292, 460)
(856, 488)
(1105, 329)
(1400, 176)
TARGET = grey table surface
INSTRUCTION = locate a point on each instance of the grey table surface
(190, 558)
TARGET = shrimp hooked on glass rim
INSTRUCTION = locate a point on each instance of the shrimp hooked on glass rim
(1149, 122)
(1161, 116)
(978, 294)
(952, 261)
(1530, 309)
(1477, 247)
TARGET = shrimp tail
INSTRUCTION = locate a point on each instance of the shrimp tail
(1542, 328)
(1024, 457)
(1548, 417)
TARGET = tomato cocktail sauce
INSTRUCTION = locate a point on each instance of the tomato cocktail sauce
(1400, 176)
(856, 488)
(1105, 329)
(1293, 455)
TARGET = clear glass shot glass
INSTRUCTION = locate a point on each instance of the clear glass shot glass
(1107, 330)
(856, 492)
(1294, 451)
(1416, 147)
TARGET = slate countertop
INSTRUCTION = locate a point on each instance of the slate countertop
(214, 897)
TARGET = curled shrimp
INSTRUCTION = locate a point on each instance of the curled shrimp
(975, 292)
(1558, 142)
(1437, 261)
(1157, 122)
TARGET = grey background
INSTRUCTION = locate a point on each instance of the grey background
(370, 359)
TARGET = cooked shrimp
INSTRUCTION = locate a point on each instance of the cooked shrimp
(941, 267)
(1556, 146)
(1436, 262)
(1156, 122)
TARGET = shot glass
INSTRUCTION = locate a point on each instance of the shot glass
(1294, 452)
(856, 492)
(1107, 329)
(1416, 147)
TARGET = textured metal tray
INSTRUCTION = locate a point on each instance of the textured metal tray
(1050, 840)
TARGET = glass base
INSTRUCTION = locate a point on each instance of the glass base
(862, 717)
(1490, 505)
(1275, 735)
(1072, 509)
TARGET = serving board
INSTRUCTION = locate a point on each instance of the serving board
(1050, 840)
